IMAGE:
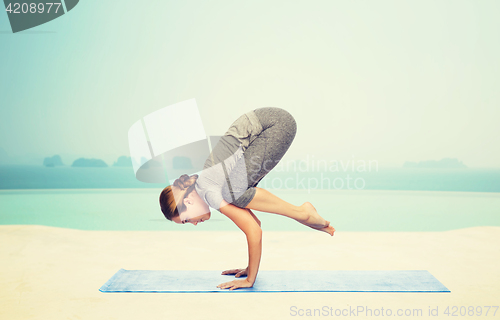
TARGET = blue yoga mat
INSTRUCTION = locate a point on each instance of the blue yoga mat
(275, 281)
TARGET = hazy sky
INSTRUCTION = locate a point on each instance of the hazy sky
(384, 80)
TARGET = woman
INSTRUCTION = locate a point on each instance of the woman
(252, 147)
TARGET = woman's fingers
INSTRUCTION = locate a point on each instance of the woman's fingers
(235, 284)
(242, 272)
(225, 285)
(233, 271)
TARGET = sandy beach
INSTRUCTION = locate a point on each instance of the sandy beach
(56, 273)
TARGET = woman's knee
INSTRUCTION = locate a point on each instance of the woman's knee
(291, 125)
(288, 124)
(275, 115)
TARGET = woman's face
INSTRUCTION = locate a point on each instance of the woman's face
(196, 210)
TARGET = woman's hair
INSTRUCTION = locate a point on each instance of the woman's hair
(172, 197)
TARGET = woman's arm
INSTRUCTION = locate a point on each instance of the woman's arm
(244, 219)
(242, 272)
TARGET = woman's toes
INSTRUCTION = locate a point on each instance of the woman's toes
(332, 230)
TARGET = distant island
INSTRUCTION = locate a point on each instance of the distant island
(83, 162)
(443, 163)
(123, 161)
(53, 161)
(149, 164)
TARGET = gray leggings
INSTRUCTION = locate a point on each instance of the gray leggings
(267, 149)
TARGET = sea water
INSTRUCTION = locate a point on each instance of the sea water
(425, 179)
(347, 210)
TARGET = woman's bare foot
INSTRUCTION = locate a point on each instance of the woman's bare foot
(314, 220)
(330, 230)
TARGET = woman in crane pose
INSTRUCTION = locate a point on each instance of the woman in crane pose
(252, 146)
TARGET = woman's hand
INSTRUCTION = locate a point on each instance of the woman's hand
(235, 284)
(237, 272)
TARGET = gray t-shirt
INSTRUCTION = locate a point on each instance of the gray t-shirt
(224, 175)
(218, 180)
